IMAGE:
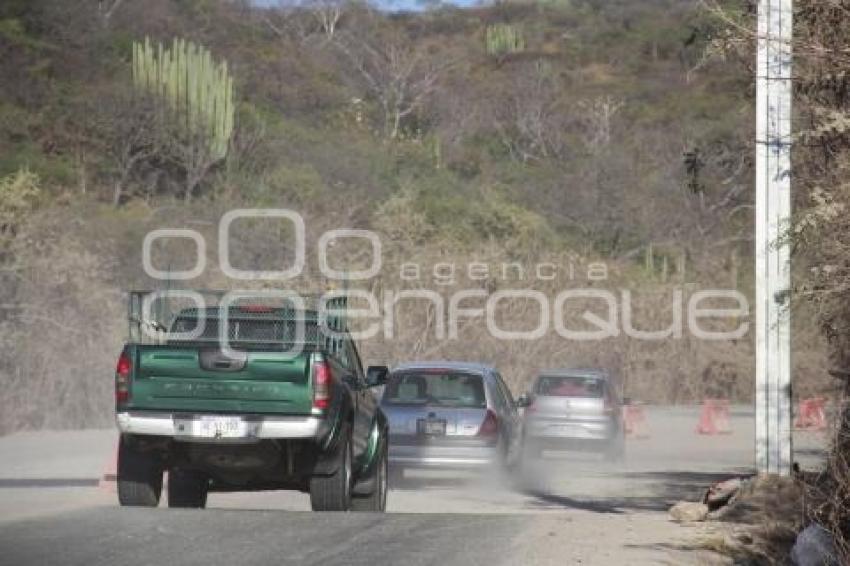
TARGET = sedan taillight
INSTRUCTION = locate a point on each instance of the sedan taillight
(490, 427)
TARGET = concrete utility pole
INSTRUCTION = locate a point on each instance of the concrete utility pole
(773, 212)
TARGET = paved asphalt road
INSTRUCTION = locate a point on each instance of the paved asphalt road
(115, 536)
(573, 510)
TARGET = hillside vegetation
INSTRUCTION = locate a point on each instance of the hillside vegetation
(581, 131)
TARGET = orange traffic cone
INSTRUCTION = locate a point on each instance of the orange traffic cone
(811, 414)
(634, 421)
(721, 418)
(706, 423)
(714, 418)
(109, 477)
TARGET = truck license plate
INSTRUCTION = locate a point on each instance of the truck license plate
(219, 427)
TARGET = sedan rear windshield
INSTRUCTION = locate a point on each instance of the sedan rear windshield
(445, 389)
(570, 386)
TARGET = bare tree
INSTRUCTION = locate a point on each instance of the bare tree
(399, 75)
(287, 22)
(304, 18)
(597, 117)
(328, 14)
(533, 120)
(128, 126)
(105, 10)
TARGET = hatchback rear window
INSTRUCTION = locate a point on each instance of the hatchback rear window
(442, 389)
(571, 386)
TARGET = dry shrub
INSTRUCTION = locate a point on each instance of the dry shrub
(59, 336)
(73, 264)
(828, 492)
(760, 525)
(18, 193)
(672, 370)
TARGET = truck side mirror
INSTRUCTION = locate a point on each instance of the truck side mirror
(376, 375)
(523, 400)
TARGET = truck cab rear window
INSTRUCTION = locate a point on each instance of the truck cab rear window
(239, 330)
(275, 329)
(439, 389)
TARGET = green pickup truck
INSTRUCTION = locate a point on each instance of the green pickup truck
(235, 396)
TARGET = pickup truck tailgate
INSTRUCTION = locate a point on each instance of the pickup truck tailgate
(174, 378)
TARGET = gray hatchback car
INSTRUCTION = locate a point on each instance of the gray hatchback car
(573, 409)
(450, 415)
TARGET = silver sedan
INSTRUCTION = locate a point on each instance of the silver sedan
(450, 415)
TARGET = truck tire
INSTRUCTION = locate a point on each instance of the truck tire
(333, 492)
(187, 489)
(376, 501)
(139, 476)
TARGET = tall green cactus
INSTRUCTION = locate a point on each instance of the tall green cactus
(503, 39)
(198, 95)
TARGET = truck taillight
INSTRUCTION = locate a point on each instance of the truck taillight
(490, 426)
(321, 385)
(122, 378)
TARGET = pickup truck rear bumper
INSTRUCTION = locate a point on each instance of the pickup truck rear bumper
(252, 428)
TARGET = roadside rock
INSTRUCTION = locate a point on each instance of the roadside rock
(814, 547)
(722, 493)
(688, 511)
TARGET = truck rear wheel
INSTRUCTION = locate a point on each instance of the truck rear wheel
(377, 500)
(139, 476)
(187, 489)
(333, 492)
